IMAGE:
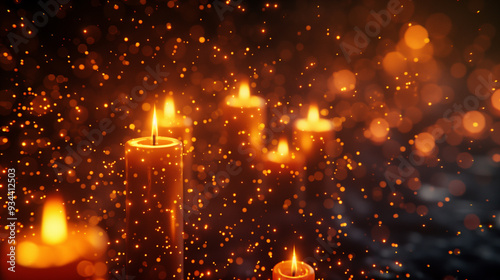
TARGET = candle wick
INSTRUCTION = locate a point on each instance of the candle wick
(154, 139)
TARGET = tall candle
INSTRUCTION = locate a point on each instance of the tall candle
(293, 270)
(244, 117)
(59, 251)
(154, 236)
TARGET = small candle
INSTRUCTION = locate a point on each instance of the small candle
(244, 117)
(315, 138)
(313, 134)
(154, 237)
(293, 270)
(282, 169)
(58, 253)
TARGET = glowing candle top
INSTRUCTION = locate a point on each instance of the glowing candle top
(282, 153)
(244, 99)
(293, 270)
(170, 116)
(313, 121)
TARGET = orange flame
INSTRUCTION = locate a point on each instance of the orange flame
(169, 110)
(283, 146)
(244, 91)
(294, 263)
(313, 115)
(54, 227)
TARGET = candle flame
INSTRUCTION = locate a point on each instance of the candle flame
(169, 110)
(154, 127)
(244, 91)
(283, 147)
(54, 228)
(313, 115)
(294, 263)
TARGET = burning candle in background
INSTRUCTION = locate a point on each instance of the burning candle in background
(282, 170)
(172, 124)
(244, 117)
(60, 252)
(292, 269)
(154, 231)
(314, 136)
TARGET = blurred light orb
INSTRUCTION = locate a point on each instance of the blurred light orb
(379, 128)
(474, 121)
(394, 63)
(416, 37)
(344, 80)
(495, 99)
(425, 143)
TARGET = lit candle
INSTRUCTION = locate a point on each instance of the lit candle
(154, 237)
(58, 253)
(244, 117)
(313, 133)
(315, 138)
(282, 169)
(293, 270)
(177, 126)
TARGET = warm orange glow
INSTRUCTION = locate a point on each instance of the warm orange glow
(344, 80)
(394, 63)
(495, 99)
(169, 110)
(54, 228)
(244, 91)
(29, 251)
(379, 128)
(313, 115)
(474, 121)
(425, 143)
(294, 263)
(416, 37)
(154, 127)
(283, 147)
